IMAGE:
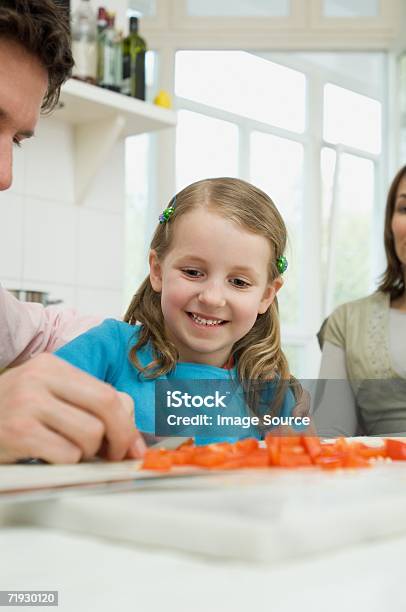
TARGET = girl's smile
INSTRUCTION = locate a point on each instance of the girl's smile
(213, 284)
(205, 321)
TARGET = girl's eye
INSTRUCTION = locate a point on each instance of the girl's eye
(16, 142)
(192, 273)
(240, 283)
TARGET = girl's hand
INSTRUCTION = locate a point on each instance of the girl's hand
(302, 407)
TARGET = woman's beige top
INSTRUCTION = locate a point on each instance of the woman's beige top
(363, 330)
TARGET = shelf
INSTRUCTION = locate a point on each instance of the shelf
(100, 118)
(84, 103)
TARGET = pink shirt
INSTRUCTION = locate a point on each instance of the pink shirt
(27, 329)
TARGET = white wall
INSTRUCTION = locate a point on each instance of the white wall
(50, 243)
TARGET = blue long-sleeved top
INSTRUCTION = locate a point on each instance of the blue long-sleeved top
(104, 353)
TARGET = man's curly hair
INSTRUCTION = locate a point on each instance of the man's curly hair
(42, 28)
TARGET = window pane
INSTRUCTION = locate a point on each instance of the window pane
(137, 195)
(238, 8)
(352, 270)
(151, 69)
(352, 119)
(350, 8)
(294, 355)
(244, 84)
(205, 147)
(142, 8)
(276, 167)
(328, 164)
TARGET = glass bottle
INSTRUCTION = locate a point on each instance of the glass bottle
(134, 49)
(101, 19)
(84, 42)
(110, 62)
(101, 26)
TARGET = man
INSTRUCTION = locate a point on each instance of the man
(48, 409)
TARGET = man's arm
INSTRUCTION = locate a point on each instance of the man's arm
(52, 411)
(28, 329)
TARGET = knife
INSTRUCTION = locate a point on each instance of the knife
(170, 443)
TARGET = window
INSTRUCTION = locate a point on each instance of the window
(205, 147)
(321, 169)
(142, 8)
(139, 173)
(348, 271)
(352, 119)
(351, 8)
(349, 175)
(249, 128)
(243, 84)
(276, 166)
(137, 158)
(238, 8)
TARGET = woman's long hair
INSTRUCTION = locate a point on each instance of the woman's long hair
(258, 354)
(392, 280)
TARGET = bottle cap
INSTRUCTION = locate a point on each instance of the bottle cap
(102, 14)
(133, 24)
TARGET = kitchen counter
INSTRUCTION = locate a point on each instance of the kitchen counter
(95, 574)
(291, 540)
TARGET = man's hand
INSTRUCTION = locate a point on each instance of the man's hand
(55, 412)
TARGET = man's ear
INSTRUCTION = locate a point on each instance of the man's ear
(155, 271)
(269, 294)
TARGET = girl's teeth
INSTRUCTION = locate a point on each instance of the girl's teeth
(205, 321)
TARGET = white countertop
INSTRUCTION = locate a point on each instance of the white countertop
(94, 574)
(336, 542)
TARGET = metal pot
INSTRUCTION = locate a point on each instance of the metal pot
(41, 297)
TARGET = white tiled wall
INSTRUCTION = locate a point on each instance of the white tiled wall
(11, 235)
(48, 242)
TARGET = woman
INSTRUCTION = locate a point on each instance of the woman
(364, 351)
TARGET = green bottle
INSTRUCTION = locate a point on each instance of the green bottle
(134, 49)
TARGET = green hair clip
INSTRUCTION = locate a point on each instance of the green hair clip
(168, 212)
(282, 264)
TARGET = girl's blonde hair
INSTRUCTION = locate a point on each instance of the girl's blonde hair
(258, 354)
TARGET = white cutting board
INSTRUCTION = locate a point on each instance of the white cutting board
(258, 515)
(19, 479)
(16, 480)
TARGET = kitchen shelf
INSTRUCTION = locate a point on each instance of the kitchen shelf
(100, 118)
(84, 103)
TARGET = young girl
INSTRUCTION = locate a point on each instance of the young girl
(208, 309)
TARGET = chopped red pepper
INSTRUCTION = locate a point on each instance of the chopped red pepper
(396, 450)
(273, 446)
(312, 445)
(247, 445)
(158, 460)
(290, 460)
(287, 452)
